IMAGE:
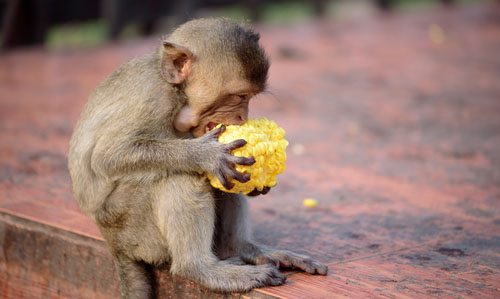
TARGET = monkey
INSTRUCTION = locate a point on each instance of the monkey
(142, 144)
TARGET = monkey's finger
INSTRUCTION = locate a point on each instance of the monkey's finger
(224, 180)
(236, 144)
(254, 192)
(304, 265)
(315, 265)
(265, 190)
(217, 131)
(228, 185)
(320, 268)
(243, 161)
(240, 177)
(307, 265)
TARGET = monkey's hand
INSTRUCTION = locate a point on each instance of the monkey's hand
(221, 163)
(256, 191)
(266, 144)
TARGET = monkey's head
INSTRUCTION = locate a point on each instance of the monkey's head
(219, 67)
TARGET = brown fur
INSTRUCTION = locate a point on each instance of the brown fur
(135, 166)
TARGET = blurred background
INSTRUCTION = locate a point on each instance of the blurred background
(392, 110)
(86, 23)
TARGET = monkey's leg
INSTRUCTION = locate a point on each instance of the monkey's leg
(233, 239)
(232, 235)
(185, 214)
(136, 278)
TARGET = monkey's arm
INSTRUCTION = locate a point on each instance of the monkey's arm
(141, 153)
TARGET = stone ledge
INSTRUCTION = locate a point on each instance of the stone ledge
(41, 261)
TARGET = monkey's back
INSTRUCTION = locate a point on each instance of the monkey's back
(130, 98)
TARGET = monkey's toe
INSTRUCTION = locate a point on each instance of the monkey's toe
(277, 278)
(274, 277)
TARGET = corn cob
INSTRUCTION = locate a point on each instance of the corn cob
(266, 143)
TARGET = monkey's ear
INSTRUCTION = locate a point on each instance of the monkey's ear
(176, 62)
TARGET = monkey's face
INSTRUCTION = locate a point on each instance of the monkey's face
(228, 109)
(214, 98)
(219, 76)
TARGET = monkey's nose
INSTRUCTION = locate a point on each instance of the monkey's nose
(242, 119)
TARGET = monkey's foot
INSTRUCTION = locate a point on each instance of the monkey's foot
(235, 278)
(288, 259)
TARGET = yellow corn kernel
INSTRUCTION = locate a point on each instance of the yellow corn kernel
(309, 202)
(266, 143)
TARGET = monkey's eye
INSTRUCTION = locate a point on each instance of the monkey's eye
(243, 96)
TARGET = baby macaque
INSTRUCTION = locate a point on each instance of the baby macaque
(141, 147)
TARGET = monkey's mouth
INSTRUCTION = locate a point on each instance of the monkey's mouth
(210, 126)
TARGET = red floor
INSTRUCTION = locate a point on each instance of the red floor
(394, 127)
